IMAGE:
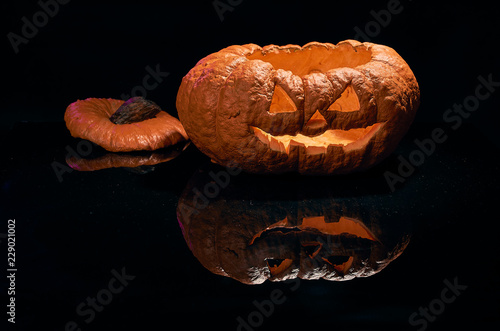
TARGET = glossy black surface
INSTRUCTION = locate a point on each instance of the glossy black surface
(76, 231)
(72, 233)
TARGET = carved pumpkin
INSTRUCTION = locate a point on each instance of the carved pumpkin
(316, 109)
(90, 119)
(259, 229)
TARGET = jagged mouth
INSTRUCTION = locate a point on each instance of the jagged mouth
(313, 228)
(345, 226)
(347, 139)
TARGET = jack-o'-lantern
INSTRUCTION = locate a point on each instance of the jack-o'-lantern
(258, 229)
(316, 109)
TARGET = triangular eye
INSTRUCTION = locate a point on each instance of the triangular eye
(281, 102)
(340, 263)
(347, 102)
(316, 121)
(277, 266)
(337, 259)
(312, 249)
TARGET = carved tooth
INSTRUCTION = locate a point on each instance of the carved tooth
(313, 150)
(287, 146)
(274, 144)
(282, 147)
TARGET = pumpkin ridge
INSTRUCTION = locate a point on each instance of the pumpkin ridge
(219, 62)
(397, 82)
(217, 108)
(411, 86)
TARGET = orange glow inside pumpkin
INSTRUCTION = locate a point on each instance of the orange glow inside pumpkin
(344, 225)
(318, 144)
(341, 267)
(281, 102)
(277, 266)
(314, 58)
(347, 102)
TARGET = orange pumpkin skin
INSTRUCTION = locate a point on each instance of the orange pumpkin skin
(316, 109)
(89, 119)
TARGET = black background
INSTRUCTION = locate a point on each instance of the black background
(96, 49)
(72, 233)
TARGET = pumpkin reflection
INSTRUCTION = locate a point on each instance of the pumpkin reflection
(261, 228)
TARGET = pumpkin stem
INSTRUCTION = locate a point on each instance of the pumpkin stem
(136, 109)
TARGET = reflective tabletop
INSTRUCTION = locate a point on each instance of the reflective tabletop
(112, 241)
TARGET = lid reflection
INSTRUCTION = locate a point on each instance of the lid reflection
(101, 159)
(258, 228)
